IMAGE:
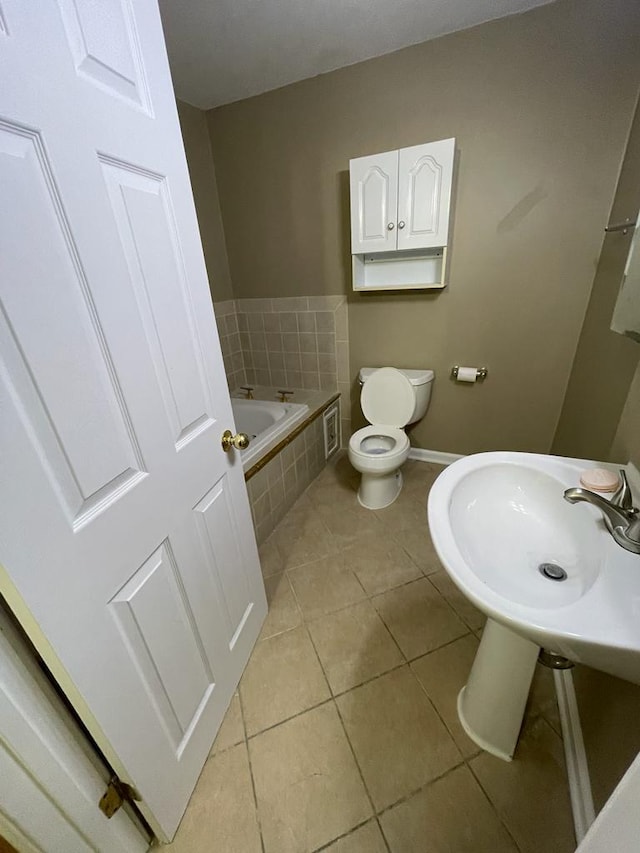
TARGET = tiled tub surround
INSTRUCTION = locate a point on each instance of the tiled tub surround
(278, 480)
(294, 342)
(228, 332)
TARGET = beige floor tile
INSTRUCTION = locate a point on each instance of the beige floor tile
(324, 586)
(399, 740)
(405, 513)
(283, 678)
(308, 787)
(542, 698)
(302, 539)
(419, 618)
(450, 816)
(221, 814)
(365, 839)
(416, 541)
(531, 793)
(469, 614)
(419, 477)
(349, 523)
(284, 612)
(353, 646)
(380, 563)
(231, 732)
(325, 494)
(270, 558)
(443, 674)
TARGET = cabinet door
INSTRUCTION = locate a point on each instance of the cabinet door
(374, 191)
(424, 194)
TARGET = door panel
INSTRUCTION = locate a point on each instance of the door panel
(100, 448)
(144, 215)
(373, 202)
(127, 540)
(424, 192)
(105, 47)
(156, 622)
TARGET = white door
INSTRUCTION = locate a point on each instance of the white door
(425, 174)
(49, 783)
(374, 192)
(127, 544)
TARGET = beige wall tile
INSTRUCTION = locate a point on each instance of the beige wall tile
(283, 678)
(453, 814)
(308, 787)
(443, 674)
(419, 618)
(353, 646)
(521, 790)
(398, 738)
(221, 814)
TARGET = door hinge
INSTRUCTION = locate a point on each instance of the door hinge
(115, 795)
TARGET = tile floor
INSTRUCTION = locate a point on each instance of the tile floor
(344, 735)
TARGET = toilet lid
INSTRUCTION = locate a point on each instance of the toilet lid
(388, 398)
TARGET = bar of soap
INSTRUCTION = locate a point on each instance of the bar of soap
(600, 480)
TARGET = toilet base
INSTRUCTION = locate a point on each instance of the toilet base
(379, 490)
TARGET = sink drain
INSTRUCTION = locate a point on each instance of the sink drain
(553, 572)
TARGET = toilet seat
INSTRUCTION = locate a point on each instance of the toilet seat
(358, 444)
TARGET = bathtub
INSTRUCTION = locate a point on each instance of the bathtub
(266, 423)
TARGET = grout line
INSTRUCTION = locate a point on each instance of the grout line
(406, 797)
(493, 806)
(253, 781)
(344, 835)
(288, 719)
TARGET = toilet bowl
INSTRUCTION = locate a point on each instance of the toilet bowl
(390, 399)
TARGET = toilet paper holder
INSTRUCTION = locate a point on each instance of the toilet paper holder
(481, 373)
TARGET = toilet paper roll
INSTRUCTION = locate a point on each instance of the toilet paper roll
(467, 374)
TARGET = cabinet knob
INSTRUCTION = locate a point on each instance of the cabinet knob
(390, 226)
(401, 224)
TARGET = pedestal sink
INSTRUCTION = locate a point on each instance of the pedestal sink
(546, 573)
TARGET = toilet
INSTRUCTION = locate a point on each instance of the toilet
(390, 399)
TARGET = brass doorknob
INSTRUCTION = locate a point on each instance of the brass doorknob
(240, 441)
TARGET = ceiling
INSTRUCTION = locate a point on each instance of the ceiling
(225, 50)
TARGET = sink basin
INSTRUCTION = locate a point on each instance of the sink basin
(495, 519)
(508, 519)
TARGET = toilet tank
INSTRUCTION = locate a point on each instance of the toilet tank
(421, 381)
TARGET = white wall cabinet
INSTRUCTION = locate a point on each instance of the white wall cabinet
(400, 212)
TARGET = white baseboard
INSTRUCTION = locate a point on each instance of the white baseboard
(436, 456)
(575, 754)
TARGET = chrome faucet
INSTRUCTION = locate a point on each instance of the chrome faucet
(620, 516)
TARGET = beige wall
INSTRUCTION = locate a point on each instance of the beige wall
(626, 444)
(541, 106)
(605, 361)
(205, 193)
